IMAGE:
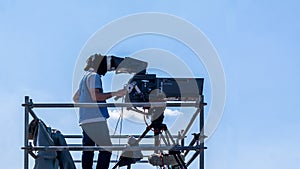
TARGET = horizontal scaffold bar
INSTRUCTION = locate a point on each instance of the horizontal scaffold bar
(112, 148)
(112, 161)
(117, 136)
(141, 104)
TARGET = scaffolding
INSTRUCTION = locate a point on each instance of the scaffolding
(196, 145)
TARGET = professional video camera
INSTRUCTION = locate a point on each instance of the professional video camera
(141, 85)
(174, 89)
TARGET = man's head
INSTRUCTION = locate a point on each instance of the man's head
(98, 63)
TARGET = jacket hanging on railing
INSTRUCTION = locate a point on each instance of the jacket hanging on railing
(45, 159)
(51, 159)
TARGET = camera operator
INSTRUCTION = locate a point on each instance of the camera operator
(93, 120)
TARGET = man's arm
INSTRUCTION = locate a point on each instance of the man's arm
(98, 96)
(76, 97)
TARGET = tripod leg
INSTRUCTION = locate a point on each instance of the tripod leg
(191, 144)
(168, 139)
(168, 134)
(193, 158)
(143, 135)
(116, 165)
(182, 162)
(177, 160)
(156, 142)
(165, 140)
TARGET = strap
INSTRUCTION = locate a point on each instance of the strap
(87, 82)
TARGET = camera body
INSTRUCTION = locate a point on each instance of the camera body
(147, 87)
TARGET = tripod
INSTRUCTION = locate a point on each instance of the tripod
(158, 128)
(157, 117)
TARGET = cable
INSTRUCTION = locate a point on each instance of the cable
(116, 127)
(120, 120)
(145, 121)
(121, 124)
(162, 161)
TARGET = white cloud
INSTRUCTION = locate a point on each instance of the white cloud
(129, 114)
(169, 112)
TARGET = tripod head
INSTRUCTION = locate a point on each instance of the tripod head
(157, 113)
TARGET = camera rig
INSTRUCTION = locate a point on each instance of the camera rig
(141, 85)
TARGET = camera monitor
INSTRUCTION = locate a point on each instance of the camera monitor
(181, 88)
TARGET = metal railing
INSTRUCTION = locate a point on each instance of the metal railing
(197, 144)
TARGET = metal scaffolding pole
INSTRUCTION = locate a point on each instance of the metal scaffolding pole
(26, 131)
(91, 105)
(113, 148)
(202, 136)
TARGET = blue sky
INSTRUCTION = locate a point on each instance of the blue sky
(257, 42)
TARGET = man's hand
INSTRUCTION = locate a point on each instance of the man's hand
(120, 93)
(76, 97)
(98, 96)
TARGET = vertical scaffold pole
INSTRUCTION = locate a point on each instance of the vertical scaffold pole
(26, 122)
(201, 155)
